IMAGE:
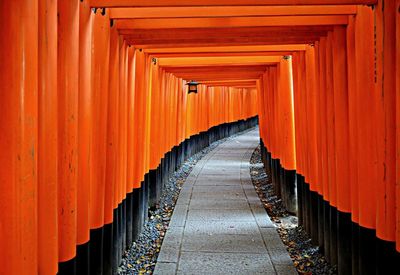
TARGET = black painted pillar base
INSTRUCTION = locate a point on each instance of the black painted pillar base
(124, 227)
(142, 207)
(366, 244)
(282, 184)
(333, 238)
(129, 218)
(355, 232)
(108, 247)
(320, 222)
(96, 251)
(146, 191)
(314, 217)
(300, 210)
(119, 239)
(136, 220)
(307, 206)
(275, 166)
(290, 181)
(83, 259)
(67, 268)
(153, 189)
(344, 242)
(115, 241)
(387, 258)
(327, 231)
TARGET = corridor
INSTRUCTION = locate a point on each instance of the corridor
(103, 101)
(219, 225)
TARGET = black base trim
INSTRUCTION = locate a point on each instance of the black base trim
(67, 268)
(83, 258)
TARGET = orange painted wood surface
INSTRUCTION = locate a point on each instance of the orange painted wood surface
(85, 122)
(19, 138)
(397, 74)
(47, 139)
(99, 80)
(68, 87)
(160, 3)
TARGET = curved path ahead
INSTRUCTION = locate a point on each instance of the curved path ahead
(219, 225)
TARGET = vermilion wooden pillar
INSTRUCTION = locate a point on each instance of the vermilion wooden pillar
(366, 147)
(163, 107)
(131, 120)
(342, 165)
(287, 113)
(100, 71)
(139, 107)
(353, 122)
(147, 124)
(155, 116)
(68, 87)
(385, 102)
(287, 133)
(122, 120)
(112, 155)
(122, 153)
(364, 55)
(85, 133)
(311, 82)
(322, 151)
(47, 146)
(397, 125)
(18, 141)
(112, 127)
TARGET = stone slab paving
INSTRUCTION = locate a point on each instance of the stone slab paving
(219, 225)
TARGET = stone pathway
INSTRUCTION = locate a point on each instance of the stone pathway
(219, 225)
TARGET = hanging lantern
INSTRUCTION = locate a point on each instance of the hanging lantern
(192, 86)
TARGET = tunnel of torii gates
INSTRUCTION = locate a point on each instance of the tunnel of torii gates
(95, 115)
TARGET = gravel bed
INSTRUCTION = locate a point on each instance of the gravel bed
(141, 257)
(306, 257)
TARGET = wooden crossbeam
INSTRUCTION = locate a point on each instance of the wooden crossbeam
(180, 3)
(225, 43)
(228, 49)
(234, 22)
(217, 61)
(228, 11)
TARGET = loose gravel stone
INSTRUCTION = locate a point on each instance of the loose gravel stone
(306, 257)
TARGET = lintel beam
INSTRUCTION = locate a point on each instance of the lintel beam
(212, 69)
(225, 43)
(234, 22)
(228, 49)
(188, 54)
(217, 61)
(222, 41)
(228, 11)
(180, 3)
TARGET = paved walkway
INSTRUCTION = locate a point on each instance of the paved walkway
(219, 225)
